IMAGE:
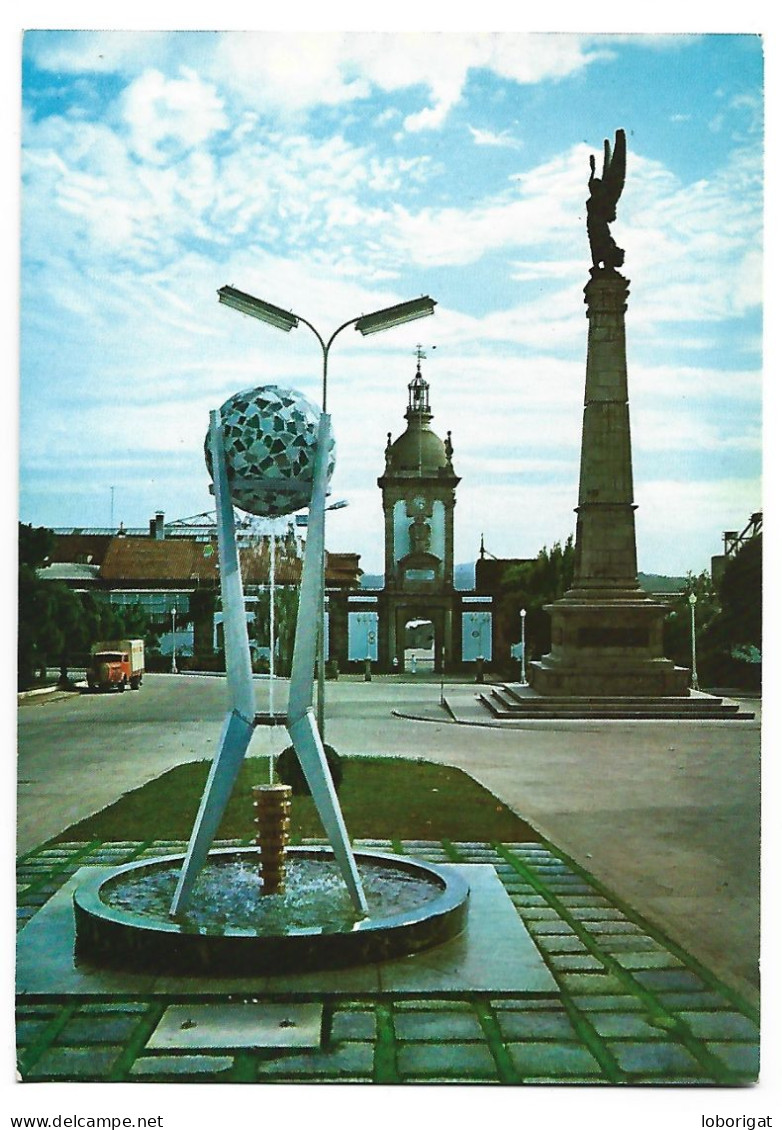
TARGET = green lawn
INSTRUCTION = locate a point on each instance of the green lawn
(381, 798)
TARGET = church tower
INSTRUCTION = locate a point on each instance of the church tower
(419, 496)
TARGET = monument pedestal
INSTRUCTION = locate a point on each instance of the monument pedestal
(607, 648)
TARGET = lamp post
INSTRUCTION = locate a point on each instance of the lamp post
(523, 616)
(366, 324)
(693, 601)
(173, 642)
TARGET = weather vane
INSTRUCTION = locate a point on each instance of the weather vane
(420, 353)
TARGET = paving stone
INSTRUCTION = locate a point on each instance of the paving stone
(351, 1060)
(698, 1001)
(720, 1025)
(554, 926)
(607, 984)
(550, 866)
(598, 1003)
(620, 1024)
(38, 898)
(74, 1063)
(669, 979)
(27, 1009)
(28, 1030)
(207, 1027)
(572, 962)
(101, 1007)
(353, 1026)
(97, 1029)
(446, 1062)
(531, 1004)
(535, 1025)
(743, 1058)
(659, 959)
(561, 943)
(441, 1026)
(589, 912)
(569, 1080)
(426, 1004)
(427, 844)
(655, 1058)
(628, 943)
(619, 926)
(547, 1059)
(437, 1080)
(572, 885)
(538, 913)
(173, 1066)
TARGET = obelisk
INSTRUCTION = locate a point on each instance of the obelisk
(606, 633)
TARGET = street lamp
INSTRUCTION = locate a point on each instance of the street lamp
(523, 615)
(286, 320)
(693, 601)
(173, 642)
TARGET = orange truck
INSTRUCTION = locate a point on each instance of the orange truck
(115, 665)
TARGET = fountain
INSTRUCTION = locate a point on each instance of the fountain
(268, 908)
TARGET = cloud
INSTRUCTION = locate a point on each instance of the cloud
(498, 140)
(97, 52)
(167, 118)
(701, 513)
(293, 73)
(659, 430)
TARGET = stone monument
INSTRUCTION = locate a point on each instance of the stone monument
(606, 633)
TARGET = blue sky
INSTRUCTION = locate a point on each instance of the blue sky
(334, 174)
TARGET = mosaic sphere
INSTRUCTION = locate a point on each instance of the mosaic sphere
(270, 435)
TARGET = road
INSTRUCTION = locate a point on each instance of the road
(79, 752)
(666, 814)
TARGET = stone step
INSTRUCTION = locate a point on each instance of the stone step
(516, 696)
(507, 702)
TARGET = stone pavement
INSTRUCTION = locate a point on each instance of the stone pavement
(665, 814)
(632, 1006)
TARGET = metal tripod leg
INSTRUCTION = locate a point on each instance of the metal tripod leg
(301, 719)
(240, 722)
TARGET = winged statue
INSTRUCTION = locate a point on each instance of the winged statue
(604, 192)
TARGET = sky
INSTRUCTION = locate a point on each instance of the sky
(333, 174)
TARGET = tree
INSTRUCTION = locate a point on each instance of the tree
(533, 584)
(57, 624)
(728, 627)
(737, 632)
(741, 591)
(286, 609)
(46, 608)
(677, 626)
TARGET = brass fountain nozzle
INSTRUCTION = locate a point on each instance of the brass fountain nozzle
(272, 804)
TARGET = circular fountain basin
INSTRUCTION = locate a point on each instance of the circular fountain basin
(231, 928)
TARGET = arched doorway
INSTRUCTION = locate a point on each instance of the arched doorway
(419, 646)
